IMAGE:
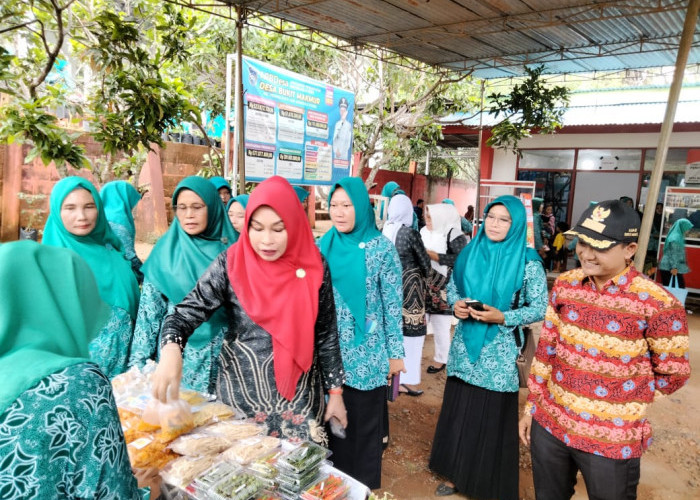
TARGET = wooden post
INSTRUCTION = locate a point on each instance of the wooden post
(155, 172)
(691, 18)
(12, 184)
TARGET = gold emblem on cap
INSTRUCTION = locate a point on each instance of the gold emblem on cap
(301, 273)
(594, 222)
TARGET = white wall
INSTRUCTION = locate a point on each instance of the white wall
(504, 162)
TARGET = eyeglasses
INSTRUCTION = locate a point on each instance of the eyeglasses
(498, 220)
(195, 208)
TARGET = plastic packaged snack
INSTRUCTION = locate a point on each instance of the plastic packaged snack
(241, 485)
(329, 487)
(215, 411)
(248, 449)
(192, 397)
(235, 429)
(266, 466)
(147, 451)
(175, 420)
(182, 471)
(306, 456)
(208, 479)
(200, 444)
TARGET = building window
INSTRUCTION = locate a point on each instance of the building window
(547, 159)
(609, 159)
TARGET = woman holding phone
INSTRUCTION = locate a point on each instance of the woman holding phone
(498, 285)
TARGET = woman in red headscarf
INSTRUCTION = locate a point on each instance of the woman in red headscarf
(281, 356)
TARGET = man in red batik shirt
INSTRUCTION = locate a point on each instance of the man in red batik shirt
(611, 340)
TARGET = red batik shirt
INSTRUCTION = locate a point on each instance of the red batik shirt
(601, 356)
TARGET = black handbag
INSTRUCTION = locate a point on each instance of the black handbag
(526, 350)
(436, 293)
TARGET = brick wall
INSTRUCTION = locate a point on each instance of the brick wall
(177, 161)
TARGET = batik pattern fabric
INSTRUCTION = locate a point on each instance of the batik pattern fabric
(110, 349)
(367, 364)
(603, 354)
(495, 367)
(415, 266)
(62, 439)
(199, 366)
(127, 239)
(246, 378)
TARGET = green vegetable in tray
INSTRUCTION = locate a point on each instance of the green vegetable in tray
(306, 456)
(238, 487)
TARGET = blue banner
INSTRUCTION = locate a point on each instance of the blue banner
(295, 126)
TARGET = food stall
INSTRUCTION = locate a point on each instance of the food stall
(204, 451)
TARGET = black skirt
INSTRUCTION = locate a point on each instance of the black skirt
(360, 453)
(476, 441)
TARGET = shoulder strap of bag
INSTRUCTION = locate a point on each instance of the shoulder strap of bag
(515, 330)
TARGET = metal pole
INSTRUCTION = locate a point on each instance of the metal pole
(477, 209)
(666, 129)
(240, 136)
(427, 163)
(227, 122)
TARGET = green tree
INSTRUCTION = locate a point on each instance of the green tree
(531, 105)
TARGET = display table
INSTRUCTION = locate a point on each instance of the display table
(204, 451)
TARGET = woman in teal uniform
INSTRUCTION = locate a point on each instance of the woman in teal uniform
(199, 233)
(60, 435)
(119, 199)
(368, 290)
(77, 221)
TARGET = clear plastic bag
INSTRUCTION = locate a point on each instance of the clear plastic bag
(175, 419)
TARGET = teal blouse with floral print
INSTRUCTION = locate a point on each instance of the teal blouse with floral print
(199, 366)
(495, 368)
(110, 349)
(62, 439)
(367, 365)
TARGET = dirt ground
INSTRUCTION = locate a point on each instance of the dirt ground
(670, 468)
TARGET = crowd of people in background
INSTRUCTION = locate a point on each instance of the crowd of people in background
(239, 300)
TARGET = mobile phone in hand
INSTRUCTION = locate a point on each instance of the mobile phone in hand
(474, 304)
(392, 389)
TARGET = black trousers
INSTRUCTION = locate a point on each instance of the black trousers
(666, 278)
(554, 468)
(360, 453)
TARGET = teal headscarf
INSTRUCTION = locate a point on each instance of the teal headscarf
(102, 249)
(492, 272)
(119, 199)
(243, 200)
(677, 232)
(49, 312)
(301, 193)
(390, 189)
(178, 260)
(220, 182)
(448, 201)
(345, 252)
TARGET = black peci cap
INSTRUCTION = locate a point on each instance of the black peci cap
(607, 224)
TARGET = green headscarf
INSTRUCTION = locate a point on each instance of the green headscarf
(390, 189)
(220, 182)
(178, 260)
(302, 193)
(677, 232)
(119, 199)
(101, 248)
(536, 204)
(49, 312)
(492, 272)
(243, 200)
(345, 252)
